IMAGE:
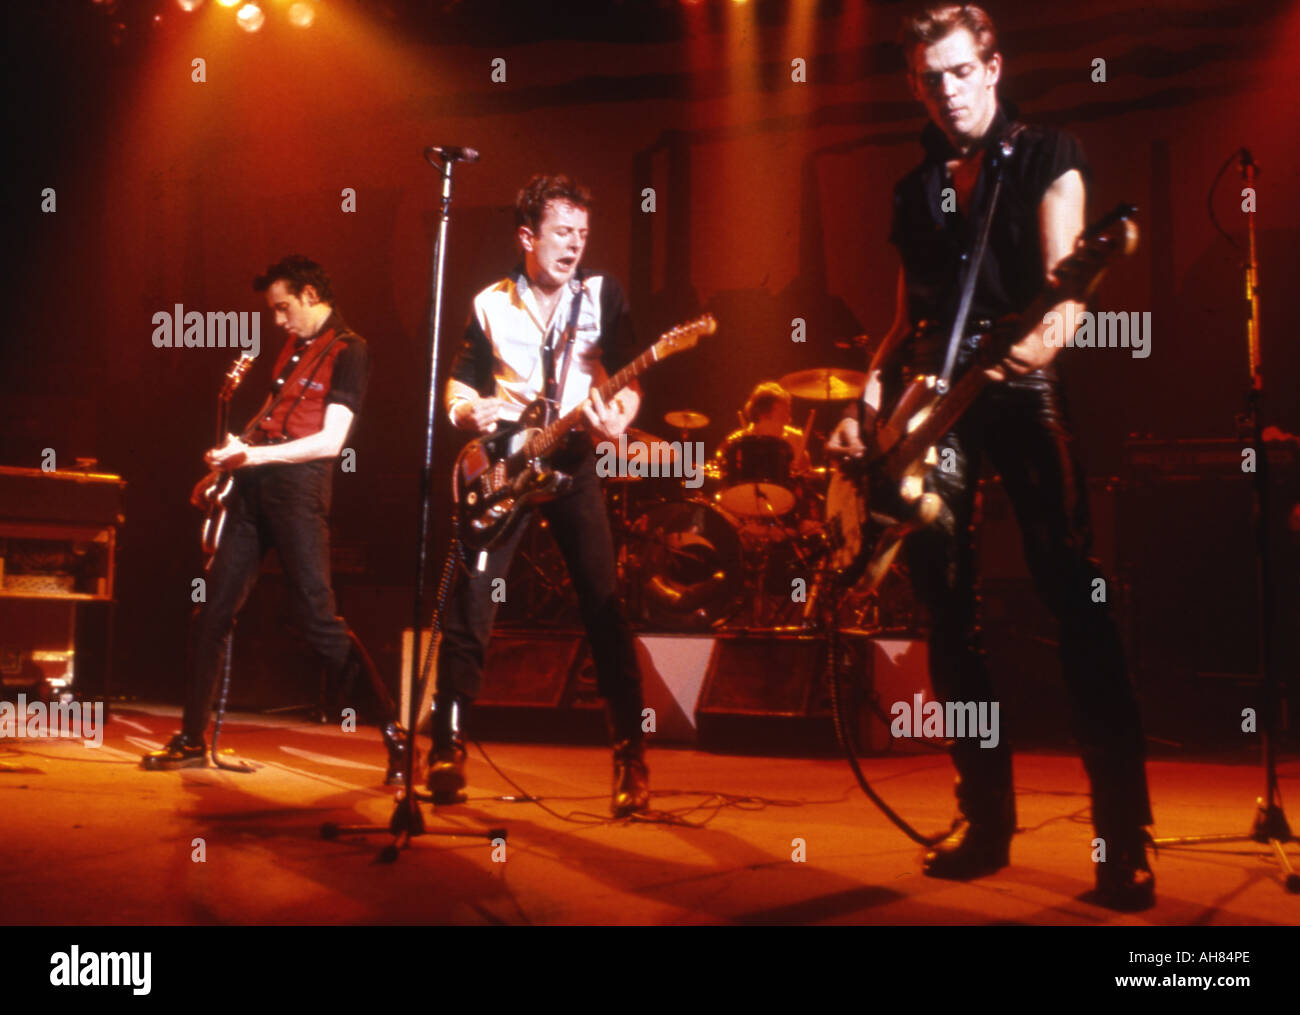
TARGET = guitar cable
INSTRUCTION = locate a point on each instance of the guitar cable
(841, 732)
(455, 557)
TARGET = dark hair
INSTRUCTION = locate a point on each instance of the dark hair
(530, 204)
(937, 21)
(297, 272)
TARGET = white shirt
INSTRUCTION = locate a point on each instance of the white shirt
(506, 334)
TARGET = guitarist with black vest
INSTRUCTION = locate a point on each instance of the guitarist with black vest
(283, 467)
(547, 330)
(1033, 181)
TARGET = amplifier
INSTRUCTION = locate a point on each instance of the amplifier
(58, 543)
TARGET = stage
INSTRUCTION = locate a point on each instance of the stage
(92, 840)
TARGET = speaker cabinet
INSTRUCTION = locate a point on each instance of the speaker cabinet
(770, 694)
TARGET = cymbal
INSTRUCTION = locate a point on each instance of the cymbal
(825, 384)
(686, 420)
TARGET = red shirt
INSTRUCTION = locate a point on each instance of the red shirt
(330, 367)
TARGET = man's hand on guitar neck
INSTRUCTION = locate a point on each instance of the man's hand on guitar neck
(608, 421)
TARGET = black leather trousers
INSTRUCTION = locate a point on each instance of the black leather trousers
(1022, 427)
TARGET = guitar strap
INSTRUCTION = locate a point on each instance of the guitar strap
(273, 401)
(1001, 153)
(553, 390)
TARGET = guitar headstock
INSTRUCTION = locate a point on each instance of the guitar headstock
(684, 336)
(1113, 235)
(235, 375)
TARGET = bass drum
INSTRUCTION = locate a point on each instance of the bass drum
(756, 475)
(846, 514)
(683, 566)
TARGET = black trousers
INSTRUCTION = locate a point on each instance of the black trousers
(1022, 427)
(281, 506)
(580, 525)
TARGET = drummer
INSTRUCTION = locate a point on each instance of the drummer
(767, 412)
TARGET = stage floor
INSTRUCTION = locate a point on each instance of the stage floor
(91, 839)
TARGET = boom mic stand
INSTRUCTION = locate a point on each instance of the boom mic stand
(408, 820)
(1270, 824)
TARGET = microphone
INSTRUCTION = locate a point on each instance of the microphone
(452, 153)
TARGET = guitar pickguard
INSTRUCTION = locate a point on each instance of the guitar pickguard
(493, 485)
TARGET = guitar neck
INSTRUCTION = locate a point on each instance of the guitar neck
(545, 442)
(942, 417)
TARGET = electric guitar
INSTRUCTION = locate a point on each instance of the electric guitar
(874, 502)
(499, 476)
(215, 488)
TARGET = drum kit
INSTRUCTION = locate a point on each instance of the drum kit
(749, 548)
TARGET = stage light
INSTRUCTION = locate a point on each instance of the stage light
(302, 14)
(250, 17)
(189, 5)
(227, 3)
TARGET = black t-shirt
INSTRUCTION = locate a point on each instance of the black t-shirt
(932, 241)
(351, 375)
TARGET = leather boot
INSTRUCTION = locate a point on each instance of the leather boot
(631, 779)
(397, 744)
(980, 845)
(182, 751)
(446, 776)
(1125, 881)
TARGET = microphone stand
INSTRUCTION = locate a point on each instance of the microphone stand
(1270, 824)
(407, 820)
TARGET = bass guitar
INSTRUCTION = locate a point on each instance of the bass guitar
(499, 476)
(875, 501)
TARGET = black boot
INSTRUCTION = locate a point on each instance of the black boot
(631, 779)
(446, 776)
(1125, 881)
(181, 751)
(981, 843)
(397, 743)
